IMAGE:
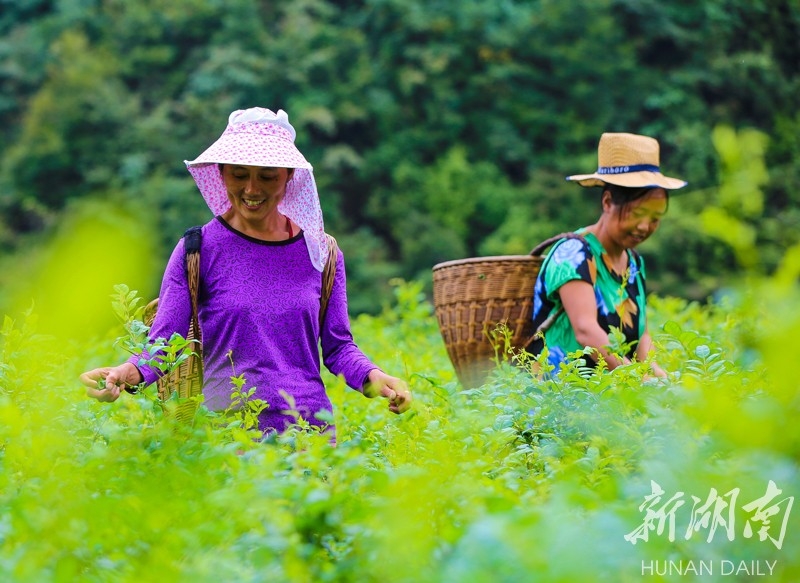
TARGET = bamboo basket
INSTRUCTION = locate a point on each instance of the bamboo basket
(186, 379)
(472, 296)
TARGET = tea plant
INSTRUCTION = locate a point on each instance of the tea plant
(244, 407)
(526, 478)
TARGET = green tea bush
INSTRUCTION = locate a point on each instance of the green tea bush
(521, 479)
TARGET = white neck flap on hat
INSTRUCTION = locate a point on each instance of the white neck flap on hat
(260, 137)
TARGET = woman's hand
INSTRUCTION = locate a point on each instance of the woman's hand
(644, 350)
(392, 388)
(106, 383)
(658, 372)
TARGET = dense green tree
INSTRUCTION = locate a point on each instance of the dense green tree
(437, 129)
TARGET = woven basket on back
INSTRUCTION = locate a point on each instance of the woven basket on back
(186, 379)
(472, 296)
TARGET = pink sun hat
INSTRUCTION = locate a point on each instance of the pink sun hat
(260, 137)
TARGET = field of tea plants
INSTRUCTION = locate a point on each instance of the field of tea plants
(612, 477)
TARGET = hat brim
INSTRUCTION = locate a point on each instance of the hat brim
(630, 179)
(264, 151)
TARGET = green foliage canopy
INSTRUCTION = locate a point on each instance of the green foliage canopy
(438, 130)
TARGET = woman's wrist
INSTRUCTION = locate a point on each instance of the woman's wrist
(373, 375)
(133, 378)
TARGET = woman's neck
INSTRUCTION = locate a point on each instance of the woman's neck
(617, 255)
(272, 227)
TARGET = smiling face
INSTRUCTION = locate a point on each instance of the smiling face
(254, 191)
(632, 223)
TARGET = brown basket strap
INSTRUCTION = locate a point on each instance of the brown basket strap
(193, 274)
(192, 240)
(328, 277)
(547, 242)
(544, 326)
(149, 313)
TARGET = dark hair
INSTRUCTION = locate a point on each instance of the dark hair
(623, 196)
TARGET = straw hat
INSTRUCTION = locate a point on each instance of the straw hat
(628, 160)
(261, 137)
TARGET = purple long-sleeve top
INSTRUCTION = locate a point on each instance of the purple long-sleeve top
(260, 302)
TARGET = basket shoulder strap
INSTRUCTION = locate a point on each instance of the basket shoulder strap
(547, 242)
(192, 239)
(328, 277)
(191, 262)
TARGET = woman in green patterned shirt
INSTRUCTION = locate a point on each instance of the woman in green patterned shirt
(593, 280)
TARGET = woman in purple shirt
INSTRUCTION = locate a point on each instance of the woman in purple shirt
(261, 264)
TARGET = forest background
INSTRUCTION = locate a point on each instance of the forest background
(438, 129)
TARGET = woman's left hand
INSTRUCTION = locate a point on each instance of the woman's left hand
(389, 387)
(658, 371)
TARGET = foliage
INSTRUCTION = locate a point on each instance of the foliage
(67, 275)
(521, 479)
(244, 406)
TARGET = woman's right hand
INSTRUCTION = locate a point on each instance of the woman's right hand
(107, 383)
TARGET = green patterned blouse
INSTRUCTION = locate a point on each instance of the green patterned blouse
(620, 298)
